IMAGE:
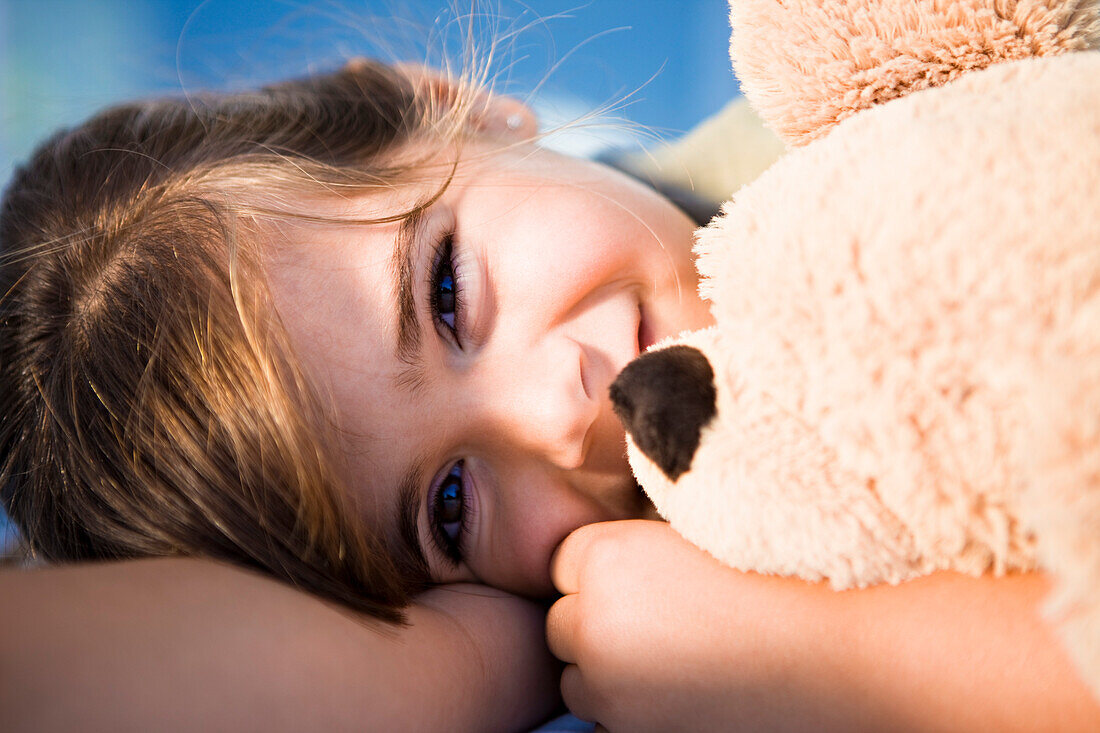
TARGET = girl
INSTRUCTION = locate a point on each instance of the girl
(356, 333)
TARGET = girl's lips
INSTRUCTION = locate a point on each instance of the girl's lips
(645, 333)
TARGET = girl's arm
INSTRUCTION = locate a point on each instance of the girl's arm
(194, 645)
(663, 637)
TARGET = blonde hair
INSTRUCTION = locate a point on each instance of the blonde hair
(151, 404)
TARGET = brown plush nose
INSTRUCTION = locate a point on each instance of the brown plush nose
(664, 399)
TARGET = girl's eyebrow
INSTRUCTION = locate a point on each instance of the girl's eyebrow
(411, 550)
(403, 263)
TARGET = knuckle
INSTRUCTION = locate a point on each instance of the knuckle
(581, 538)
(605, 553)
(557, 627)
(575, 694)
(586, 641)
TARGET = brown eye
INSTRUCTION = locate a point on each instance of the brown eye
(448, 517)
(443, 288)
(450, 504)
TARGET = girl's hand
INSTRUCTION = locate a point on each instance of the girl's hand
(658, 635)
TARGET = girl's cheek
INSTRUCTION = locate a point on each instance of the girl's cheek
(520, 562)
(524, 524)
(536, 553)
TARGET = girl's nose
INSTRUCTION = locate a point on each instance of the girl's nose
(536, 401)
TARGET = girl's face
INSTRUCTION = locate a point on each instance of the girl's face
(469, 352)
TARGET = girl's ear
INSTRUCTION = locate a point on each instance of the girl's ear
(494, 114)
(507, 117)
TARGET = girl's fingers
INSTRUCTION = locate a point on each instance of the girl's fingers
(574, 694)
(570, 557)
(561, 622)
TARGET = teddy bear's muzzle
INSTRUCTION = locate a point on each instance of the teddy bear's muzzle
(664, 399)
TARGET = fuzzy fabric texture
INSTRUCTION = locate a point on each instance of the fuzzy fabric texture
(907, 349)
(807, 64)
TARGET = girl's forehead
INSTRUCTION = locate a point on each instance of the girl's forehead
(399, 194)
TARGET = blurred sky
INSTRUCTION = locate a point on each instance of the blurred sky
(62, 59)
(662, 63)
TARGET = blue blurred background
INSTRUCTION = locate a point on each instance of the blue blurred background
(660, 64)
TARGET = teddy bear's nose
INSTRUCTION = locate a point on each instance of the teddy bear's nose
(664, 399)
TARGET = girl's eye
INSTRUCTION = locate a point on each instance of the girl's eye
(443, 288)
(449, 513)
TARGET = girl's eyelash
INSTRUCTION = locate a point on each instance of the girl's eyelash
(449, 508)
(449, 513)
(444, 290)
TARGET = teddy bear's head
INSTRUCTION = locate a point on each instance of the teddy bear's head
(806, 65)
(839, 357)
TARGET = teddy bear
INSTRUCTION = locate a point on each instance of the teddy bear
(904, 371)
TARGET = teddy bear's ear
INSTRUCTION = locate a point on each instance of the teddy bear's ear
(807, 64)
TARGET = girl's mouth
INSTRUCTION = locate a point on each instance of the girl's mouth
(645, 335)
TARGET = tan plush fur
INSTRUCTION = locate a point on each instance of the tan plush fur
(907, 349)
(807, 64)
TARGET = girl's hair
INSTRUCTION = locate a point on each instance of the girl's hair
(150, 403)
